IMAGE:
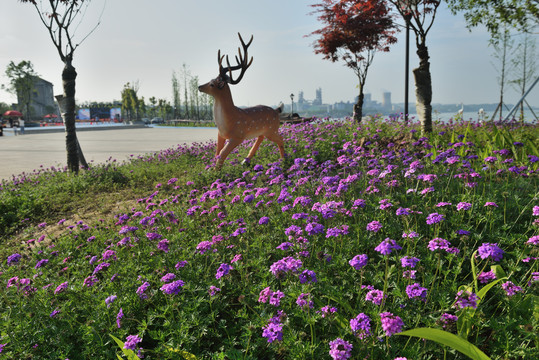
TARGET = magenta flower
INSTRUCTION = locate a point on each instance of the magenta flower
(304, 301)
(535, 211)
(213, 290)
(391, 324)
(142, 289)
(464, 206)
(60, 288)
(275, 298)
(510, 288)
(131, 342)
(340, 349)
(534, 240)
(168, 277)
(485, 277)
(374, 226)
(490, 203)
(448, 319)
(264, 295)
(409, 261)
(119, 318)
(438, 244)
(375, 296)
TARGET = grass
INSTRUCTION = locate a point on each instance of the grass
(301, 258)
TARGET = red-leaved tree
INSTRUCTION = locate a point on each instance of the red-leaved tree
(355, 30)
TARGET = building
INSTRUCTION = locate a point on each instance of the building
(386, 102)
(42, 101)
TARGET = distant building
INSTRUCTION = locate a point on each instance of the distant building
(386, 103)
(318, 99)
(42, 102)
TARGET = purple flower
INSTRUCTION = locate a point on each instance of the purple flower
(361, 326)
(287, 264)
(438, 244)
(110, 300)
(131, 342)
(273, 331)
(490, 251)
(213, 290)
(54, 313)
(13, 259)
(510, 288)
(285, 246)
(403, 211)
(534, 240)
(275, 298)
(464, 206)
(303, 301)
(340, 349)
(204, 246)
(307, 276)
(100, 267)
(163, 245)
(485, 277)
(223, 270)
(387, 246)
(466, 299)
(153, 236)
(375, 296)
(434, 218)
(180, 264)
(490, 203)
(416, 290)
(374, 226)
(119, 318)
(172, 288)
(60, 288)
(90, 280)
(327, 310)
(391, 324)
(263, 220)
(264, 295)
(41, 263)
(535, 211)
(409, 261)
(168, 277)
(448, 319)
(314, 228)
(141, 290)
(359, 261)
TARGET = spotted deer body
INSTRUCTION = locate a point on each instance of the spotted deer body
(234, 124)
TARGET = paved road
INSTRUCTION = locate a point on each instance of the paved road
(29, 152)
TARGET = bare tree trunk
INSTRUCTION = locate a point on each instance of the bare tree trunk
(423, 89)
(358, 107)
(74, 152)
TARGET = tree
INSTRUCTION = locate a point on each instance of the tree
(62, 18)
(502, 50)
(21, 83)
(176, 98)
(523, 15)
(130, 101)
(420, 15)
(354, 31)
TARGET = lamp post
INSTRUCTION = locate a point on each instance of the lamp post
(407, 18)
(292, 111)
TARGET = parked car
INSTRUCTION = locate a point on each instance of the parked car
(146, 120)
(157, 120)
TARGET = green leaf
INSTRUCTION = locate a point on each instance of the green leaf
(481, 294)
(127, 352)
(448, 339)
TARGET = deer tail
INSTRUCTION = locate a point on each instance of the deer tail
(280, 108)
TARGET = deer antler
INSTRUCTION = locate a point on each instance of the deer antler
(242, 63)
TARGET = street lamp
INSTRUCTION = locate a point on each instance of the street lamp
(292, 99)
(407, 9)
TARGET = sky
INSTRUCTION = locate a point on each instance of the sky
(146, 41)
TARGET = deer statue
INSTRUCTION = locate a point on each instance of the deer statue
(235, 124)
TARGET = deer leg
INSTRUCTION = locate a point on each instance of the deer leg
(278, 140)
(253, 151)
(220, 144)
(230, 145)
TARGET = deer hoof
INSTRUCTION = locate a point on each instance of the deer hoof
(246, 161)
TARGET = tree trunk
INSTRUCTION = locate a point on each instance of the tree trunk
(358, 107)
(423, 89)
(74, 152)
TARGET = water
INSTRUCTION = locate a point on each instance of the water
(474, 116)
